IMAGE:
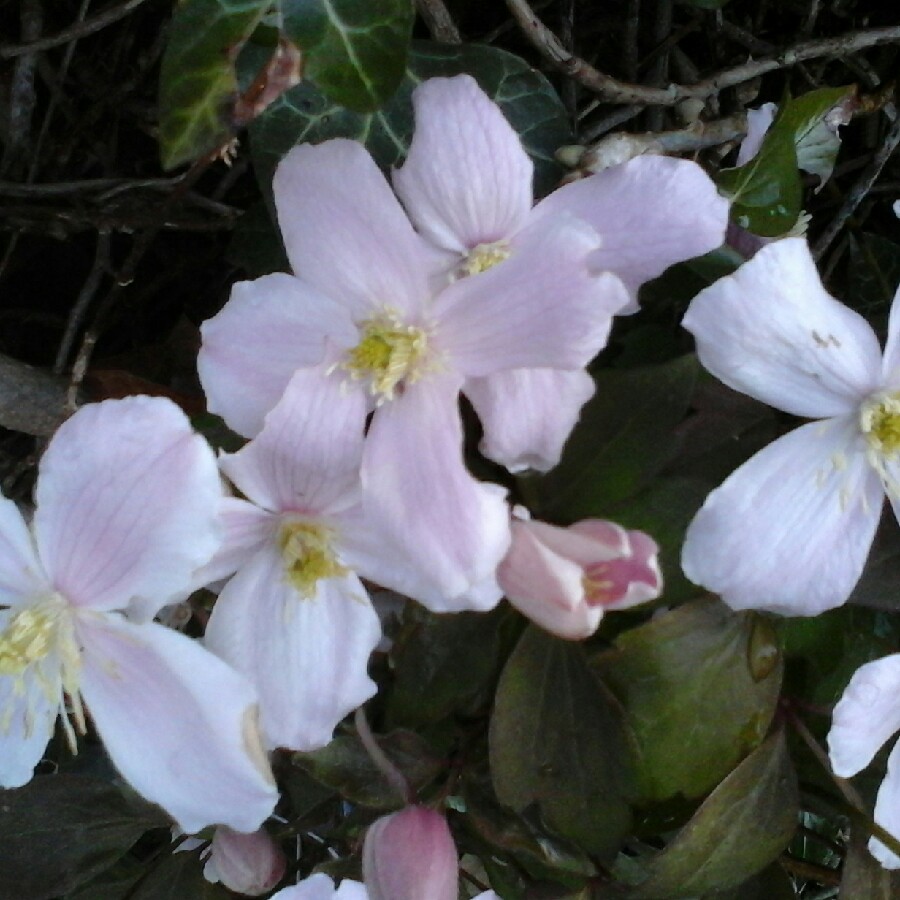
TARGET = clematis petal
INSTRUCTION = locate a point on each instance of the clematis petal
(321, 887)
(246, 529)
(27, 718)
(443, 532)
(308, 657)
(546, 587)
(308, 454)
(501, 318)
(790, 530)
(650, 212)
(887, 811)
(891, 363)
(250, 864)
(866, 716)
(771, 331)
(267, 330)
(21, 574)
(758, 123)
(178, 723)
(345, 231)
(127, 504)
(466, 180)
(528, 414)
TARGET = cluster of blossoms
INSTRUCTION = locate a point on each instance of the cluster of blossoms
(345, 378)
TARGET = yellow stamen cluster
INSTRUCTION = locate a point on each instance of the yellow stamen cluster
(38, 646)
(308, 556)
(598, 586)
(879, 421)
(388, 354)
(483, 257)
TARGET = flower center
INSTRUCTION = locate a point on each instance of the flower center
(879, 421)
(308, 556)
(38, 646)
(389, 354)
(600, 585)
(483, 257)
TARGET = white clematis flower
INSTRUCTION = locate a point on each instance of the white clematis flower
(790, 530)
(295, 618)
(127, 502)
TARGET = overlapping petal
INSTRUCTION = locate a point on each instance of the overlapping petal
(540, 308)
(179, 724)
(127, 504)
(21, 573)
(650, 212)
(466, 179)
(866, 716)
(771, 331)
(790, 530)
(891, 361)
(345, 232)
(528, 414)
(887, 811)
(321, 887)
(307, 656)
(307, 456)
(268, 329)
(419, 495)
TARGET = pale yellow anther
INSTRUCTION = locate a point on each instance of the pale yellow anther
(306, 548)
(483, 257)
(389, 354)
(879, 421)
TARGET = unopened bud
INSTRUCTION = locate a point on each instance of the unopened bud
(410, 855)
(250, 864)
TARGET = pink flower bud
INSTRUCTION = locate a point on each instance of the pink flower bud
(410, 855)
(249, 864)
(564, 579)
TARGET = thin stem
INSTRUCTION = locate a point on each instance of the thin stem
(394, 777)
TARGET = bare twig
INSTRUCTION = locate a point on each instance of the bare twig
(615, 91)
(857, 193)
(85, 296)
(439, 21)
(22, 95)
(73, 32)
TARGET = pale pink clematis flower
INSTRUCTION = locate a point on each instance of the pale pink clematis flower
(790, 530)
(295, 619)
(467, 186)
(565, 579)
(321, 887)
(127, 502)
(409, 855)
(865, 717)
(250, 864)
(364, 312)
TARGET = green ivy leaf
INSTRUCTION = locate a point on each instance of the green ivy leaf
(699, 686)
(306, 114)
(558, 739)
(624, 437)
(59, 831)
(766, 192)
(743, 825)
(198, 82)
(863, 876)
(179, 876)
(354, 50)
(345, 766)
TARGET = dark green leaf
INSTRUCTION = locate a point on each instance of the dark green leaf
(345, 765)
(699, 687)
(198, 82)
(60, 831)
(773, 883)
(256, 244)
(817, 143)
(624, 437)
(527, 99)
(179, 877)
(444, 663)
(354, 50)
(766, 191)
(743, 825)
(557, 738)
